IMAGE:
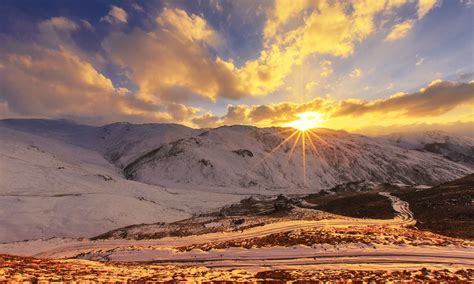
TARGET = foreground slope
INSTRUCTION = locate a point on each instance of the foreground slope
(243, 156)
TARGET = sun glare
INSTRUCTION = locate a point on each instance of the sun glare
(307, 120)
(300, 135)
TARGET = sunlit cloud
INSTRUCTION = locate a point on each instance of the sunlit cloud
(174, 63)
(399, 31)
(424, 6)
(193, 27)
(327, 70)
(178, 45)
(355, 73)
(436, 100)
(115, 15)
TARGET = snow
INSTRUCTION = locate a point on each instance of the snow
(62, 179)
(339, 157)
(49, 188)
(452, 147)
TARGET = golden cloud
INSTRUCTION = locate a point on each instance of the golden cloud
(58, 82)
(399, 31)
(295, 30)
(171, 58)
(424, 6)
(438, 99)
(192, 27)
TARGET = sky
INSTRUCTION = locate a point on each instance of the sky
(369, 66)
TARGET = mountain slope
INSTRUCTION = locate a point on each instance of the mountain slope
(239, 156)
(452, 147)
(49, 188)
(119, 143)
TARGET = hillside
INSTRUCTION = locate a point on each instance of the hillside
(243, 156)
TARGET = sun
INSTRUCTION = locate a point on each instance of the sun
(301, 135)
(306, 121)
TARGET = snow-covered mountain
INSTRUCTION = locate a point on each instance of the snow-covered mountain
(62, 179)
(452, 147)
(50, 188)
(241, 156)
(120, 143)
(124, 142)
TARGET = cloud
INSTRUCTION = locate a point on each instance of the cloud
(206, 120)
(52, 81)
(356, 73)
(86, 24)
(466, 76)
(57, 81)
(180, 112)
(399, 30)
(115, 15)
(327, 70)
(424, 6)
(173, 59)
(419, 60)
(59, 24)
(265, 115)
(295, 30)
(437, 99)
(177, 61)
(137, 7)
(311, 85)
(193, 27)
(463, 128)
(216, 5)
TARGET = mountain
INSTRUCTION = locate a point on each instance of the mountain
(241, 156)
(51, 188)
(62, 179)
(119, 142)
(452, 147)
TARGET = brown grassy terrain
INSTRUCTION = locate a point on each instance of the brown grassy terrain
(14, 269)
(371, 235)
(354, 204)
